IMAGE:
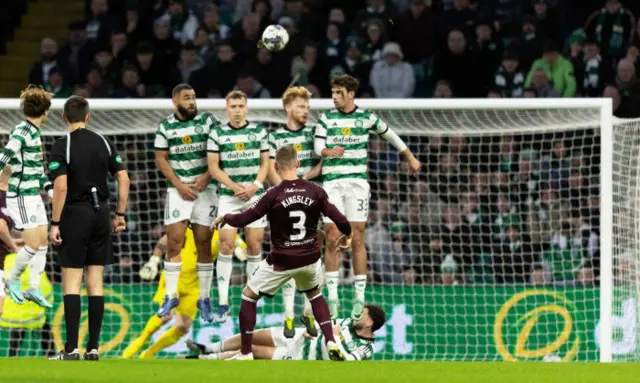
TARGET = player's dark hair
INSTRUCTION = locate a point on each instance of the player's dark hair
(35, 101)
(76, 109)
(350, 83)
(179, 88)
(377, 315)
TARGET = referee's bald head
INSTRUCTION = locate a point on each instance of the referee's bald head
(76, 109)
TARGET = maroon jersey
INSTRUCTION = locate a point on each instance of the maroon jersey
(4, 215)
(293, 209)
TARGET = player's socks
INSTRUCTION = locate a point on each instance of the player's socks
(38, 263)
(360, 285)
(216, 348)
(333, 279)
(71, 320)
(224, 266)
(253, 261)
(153, 324)
(205, 276)
(170, 337)
(171, 275)
(288, 298)
(247, 323)
(323, 316)
(22, 260)
(96, 314)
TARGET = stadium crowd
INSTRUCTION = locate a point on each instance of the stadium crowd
(504, 209)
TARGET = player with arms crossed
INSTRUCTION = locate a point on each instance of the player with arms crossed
(239, 160)
(181, 156)
(342, 135)
(355, 339)
(24, 203)
(295, 252)
(296, 102)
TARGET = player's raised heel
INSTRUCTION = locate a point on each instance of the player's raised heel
(63, 355)
(168, 305)
(15, 293)
(358, 308)
(222, 314)
(289, 330)
(92, 355)
(309, 324)
(334, 352)
(334, 308)
(36, 297)
(197, 347)
(241, 356)
(204, 305)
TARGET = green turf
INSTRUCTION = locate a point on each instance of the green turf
(194, 371)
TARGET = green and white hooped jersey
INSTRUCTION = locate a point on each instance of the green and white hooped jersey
(240, 150)
(24, 153)
(186, 142)
(350, 131)
(358, 348)
(302, 140)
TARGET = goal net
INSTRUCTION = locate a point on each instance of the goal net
(517, 242)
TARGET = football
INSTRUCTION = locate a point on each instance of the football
(275, 38)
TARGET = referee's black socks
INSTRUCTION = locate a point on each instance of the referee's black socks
(96, 313)
(71, 320)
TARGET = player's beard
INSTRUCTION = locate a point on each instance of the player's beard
(186, 113)
(300, 120)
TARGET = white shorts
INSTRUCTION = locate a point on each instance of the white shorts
(287, 349)
(234, 205)
(27, 212)
(202, 211)
(351, 197)
(267, 281)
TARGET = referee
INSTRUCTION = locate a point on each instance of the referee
(80, 219)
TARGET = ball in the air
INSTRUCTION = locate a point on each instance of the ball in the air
(275, 38)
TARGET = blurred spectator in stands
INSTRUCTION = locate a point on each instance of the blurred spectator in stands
(153, 73)
(567, 256)
(191, 69)
(507, 155)
(49, 59)
(621, 108)
(78, 51)
(509, 79)
(513, 256)
(296, 41)
(225, 68)
(457, 65)
(131, 85)
(375, 38)
(612, 27)
(628, 84)
(378, 242)
(137, 28)
(97, 87)
(81, 90)
(252, 88)
(526, 179)
(593, 71)
(104, 60)
(121, 51)
(183, 22)
(376, 9)
(574, 50)
(506, 213)
(507, 15)
(544, 217)
(269, 70)
(166, 48)
(100, 23)
(353, 64)
(556, 165)
(424, 208)
(204, 47)
(304, 21)
(244, 7)
(212, 25)
(310, 69)
(487, 51)
(558, 70)
(57, 85)
(245, 36)
(415, 31)
(633, 52)
(451, 246)
(333, 47)
(391, 77)
(548, 24)
(530, 44)
(263, 9)
(477, 220)
(442, 89)
(461, 16)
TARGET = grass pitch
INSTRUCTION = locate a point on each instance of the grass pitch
(195, 371)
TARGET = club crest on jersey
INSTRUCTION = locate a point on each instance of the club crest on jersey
(252, 137)
(176, 213)
(298, 147)
(240, 146)
(358, 123)
(187, 140)
(346, 131)
(199, 129)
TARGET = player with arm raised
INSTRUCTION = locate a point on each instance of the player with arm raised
(355, 339)
(239, 160)
(296, 102)
(24, 153)
(295, 253)
(342, 137)
(181, 156)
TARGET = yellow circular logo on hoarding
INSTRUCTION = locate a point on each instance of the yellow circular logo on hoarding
(187, 140)
(240, 146)
(346, 131)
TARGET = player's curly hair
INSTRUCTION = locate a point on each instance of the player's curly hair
(295, 92)
(377, 315)
(350, 83)
(35, 101)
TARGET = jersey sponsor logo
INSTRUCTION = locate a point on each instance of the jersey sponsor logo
(346, 131)
(188, 148)
(54, 165)
(240, 146)
(199, 129)
(187, 140)
(118, 159)
(239, 155)
(298, 147)
(290, 190)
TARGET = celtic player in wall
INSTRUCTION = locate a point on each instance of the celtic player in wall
(181, 156)
(341, 138)
(239, 160)
(23, 152)
(296, 102)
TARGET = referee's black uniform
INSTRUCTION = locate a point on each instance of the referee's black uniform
(86, 158)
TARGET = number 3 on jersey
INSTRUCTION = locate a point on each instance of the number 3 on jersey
(298, 224)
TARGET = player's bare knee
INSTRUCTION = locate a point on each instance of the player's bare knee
(226, 247)
(174, 245)
(254, 247)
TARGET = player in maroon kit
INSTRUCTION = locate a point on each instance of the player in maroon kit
(293, 209)
(7, 244)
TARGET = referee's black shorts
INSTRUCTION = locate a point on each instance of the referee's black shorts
(86, 236)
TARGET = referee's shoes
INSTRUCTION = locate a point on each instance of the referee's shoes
(75, 355)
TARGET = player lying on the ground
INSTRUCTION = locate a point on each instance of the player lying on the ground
(188, 293)
(292, 207)
(355, 339)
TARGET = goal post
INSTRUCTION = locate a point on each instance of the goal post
(440, 305)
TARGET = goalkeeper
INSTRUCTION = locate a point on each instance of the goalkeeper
(355, 339)
(188, 292)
